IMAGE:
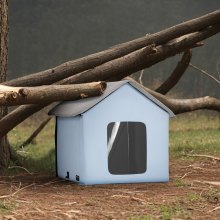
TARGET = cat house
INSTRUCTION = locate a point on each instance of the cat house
(118, 137)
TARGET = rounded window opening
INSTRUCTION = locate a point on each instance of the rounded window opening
(127, 147)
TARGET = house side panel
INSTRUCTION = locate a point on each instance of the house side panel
(68, 147)
(126, 104)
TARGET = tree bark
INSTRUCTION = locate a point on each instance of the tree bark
(176, 74)
(10, 96)
(73, 67)
(5, 151)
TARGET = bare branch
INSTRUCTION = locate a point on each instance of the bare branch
(205, 73)
(36, 132)
(179, 106)
(176, 74)
(18, 115)
(46, 94)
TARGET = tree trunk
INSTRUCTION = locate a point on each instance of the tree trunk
(89, 62)
(4, 145)
(10, 96)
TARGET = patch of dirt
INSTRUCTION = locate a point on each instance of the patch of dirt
(192, 193)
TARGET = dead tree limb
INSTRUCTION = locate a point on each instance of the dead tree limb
(176, 74)
(205, 73)
(118, 70)
(36, 132)
(162, 53)
(18, 115)
(73, 67)
(179, 106)
(10, 96)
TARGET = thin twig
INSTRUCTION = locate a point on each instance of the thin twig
(186, 174)
(141, 76)
(14, 193)
(203, 155)
(213, 183)
(217, 68)
(19, 167)
(205, 73)
(36, 132)
(216, 208)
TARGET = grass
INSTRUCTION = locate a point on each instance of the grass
(40, 155)
(177, 211)
(193, 197)
(5, 208)
(144, 217)
(166, 212)
(194, 134)
(212, 196)
(189, 133)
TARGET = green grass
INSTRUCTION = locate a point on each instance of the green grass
(40, 155)
(189, 133)
(178, 211)
(193, 134)
(5, 207)
(166, 212)
(144, 217)
(193, 197)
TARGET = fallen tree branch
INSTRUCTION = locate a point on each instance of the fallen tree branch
(119, 68)
(162, 53)
(176, 74)
(115, 70)
(36, 132)
(179, 106)
(18, 115)
(205, 73)
(46, 94)
(73, 67)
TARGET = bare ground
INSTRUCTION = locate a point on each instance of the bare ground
(192, 193)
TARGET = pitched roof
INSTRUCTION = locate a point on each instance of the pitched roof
(74, 108)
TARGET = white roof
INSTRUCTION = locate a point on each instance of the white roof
(74, 108)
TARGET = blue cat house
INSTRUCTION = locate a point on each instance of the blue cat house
(119, 137)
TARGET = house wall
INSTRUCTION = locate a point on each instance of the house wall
(125, 104)
(69, 147)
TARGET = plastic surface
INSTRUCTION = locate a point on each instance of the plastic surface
(82, 141)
